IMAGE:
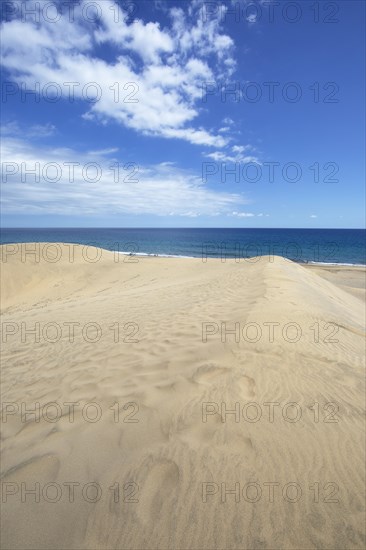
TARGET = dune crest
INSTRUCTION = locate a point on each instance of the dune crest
(228, 403)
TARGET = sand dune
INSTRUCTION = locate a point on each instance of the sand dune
(183, 435)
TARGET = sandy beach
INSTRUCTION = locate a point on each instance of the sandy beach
(169, 403)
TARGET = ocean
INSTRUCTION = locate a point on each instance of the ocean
(325, 246)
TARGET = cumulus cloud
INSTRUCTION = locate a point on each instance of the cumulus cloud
(151, 83)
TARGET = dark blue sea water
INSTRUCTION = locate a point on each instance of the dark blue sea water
(340, 246)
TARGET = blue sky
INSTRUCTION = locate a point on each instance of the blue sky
(183, 114)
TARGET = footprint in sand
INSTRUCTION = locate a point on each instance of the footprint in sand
(246, 386)
(157, 489)
(208, 373)
(316, 521)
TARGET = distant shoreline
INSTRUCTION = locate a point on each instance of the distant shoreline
(205, 259)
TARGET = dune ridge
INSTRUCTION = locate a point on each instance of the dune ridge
(163, 438)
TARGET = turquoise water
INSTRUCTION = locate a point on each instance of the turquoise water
(339, 246)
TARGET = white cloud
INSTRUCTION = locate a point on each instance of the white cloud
(102, 152)
(236, 156)
(121, 188)
(198, 137)
(35, 131)
(41, 130)
(242, 148)
(154, 83)
(313, 216)
(252, 18)
(243, 214)
(10, 129)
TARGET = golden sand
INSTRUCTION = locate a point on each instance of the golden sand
(181, 404)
